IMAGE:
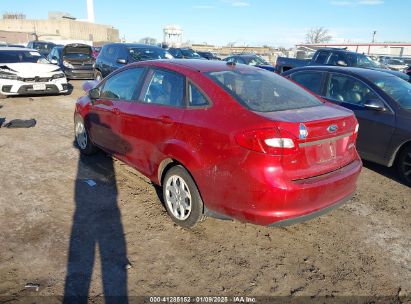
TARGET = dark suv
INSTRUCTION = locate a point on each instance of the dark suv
(115, 55)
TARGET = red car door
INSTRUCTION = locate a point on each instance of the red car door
(149, 124)
(105, 116)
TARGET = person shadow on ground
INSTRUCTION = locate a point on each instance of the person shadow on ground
(96, 226)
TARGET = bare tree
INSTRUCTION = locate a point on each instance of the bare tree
(148, 40)
(317, 35)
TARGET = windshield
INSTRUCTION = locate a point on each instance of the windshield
(397, 88)
(21, 56)
(189, 53)
(43, 46)
(361, 61)
(141, 54)
(263, 91)
(257, 61)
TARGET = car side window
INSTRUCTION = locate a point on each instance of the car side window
(166, 88)
(239, 60)
(121, 53)
(310, 80)
(122, 85)
(335, 57)
(111, 51)
(348, 89)
(196, 97)
(322, 57)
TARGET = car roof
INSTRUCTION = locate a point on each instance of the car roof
(344, 70)
(9, 48)
(199, 64)
(42, 42)
(134, 45)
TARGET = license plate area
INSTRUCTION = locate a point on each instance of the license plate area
(39, 87)
(326, 152)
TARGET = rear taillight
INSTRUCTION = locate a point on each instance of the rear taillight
(268, 141)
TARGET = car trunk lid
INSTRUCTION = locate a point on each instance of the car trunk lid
(324, 138)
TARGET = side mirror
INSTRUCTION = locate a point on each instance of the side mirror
(54, 60)
(94, 94)
(375, 104)
(121, 61)
(341, 63)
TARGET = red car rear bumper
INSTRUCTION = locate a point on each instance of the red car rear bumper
(270, 200)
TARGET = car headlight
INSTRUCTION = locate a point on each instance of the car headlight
(68, 65)
(4, 75)
(59, 75)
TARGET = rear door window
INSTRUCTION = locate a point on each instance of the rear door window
(310, 80)
(165, 88)
(322, 57)
(263, 91)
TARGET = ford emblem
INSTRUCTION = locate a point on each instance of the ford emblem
(332, 128)
(303, 131)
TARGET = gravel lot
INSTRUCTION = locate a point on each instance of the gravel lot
(61, 233)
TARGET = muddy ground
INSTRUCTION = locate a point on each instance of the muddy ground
(56, 230)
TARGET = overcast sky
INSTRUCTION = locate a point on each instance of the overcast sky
(245, 22)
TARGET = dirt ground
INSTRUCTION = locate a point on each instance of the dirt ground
(67, 236)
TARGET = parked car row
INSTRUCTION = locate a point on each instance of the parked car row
(335, 57)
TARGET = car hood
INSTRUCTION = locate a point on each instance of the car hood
(395, 73)
(266, 67)
(28, 68)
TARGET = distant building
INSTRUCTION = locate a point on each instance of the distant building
(388, 49)
(59, 27)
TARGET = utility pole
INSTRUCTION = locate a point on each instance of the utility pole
(373, 36)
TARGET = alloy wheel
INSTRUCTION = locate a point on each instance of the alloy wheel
(178, 197)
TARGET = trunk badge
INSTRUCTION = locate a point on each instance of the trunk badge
(332, 128)
(303, 131)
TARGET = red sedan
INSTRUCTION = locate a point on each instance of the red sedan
(224, 140)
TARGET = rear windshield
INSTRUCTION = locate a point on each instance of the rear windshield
(21, 56)
(142, 54)
(43, 46)
(189, 53)
(264, 91)
(397, 88)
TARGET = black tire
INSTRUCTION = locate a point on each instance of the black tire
(98, 76)
(404, 165)
(82, 140)
(196, 213)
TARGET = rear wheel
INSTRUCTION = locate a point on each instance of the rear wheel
(98, 76)
(82, 138)
(404, 165)
(181, 197)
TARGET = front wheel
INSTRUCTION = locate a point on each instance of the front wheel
(82, 138)
(404, 165)
(181, 197)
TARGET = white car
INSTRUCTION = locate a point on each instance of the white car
(395, 64)
(24, 71)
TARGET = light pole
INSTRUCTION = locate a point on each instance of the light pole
(373, 36)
